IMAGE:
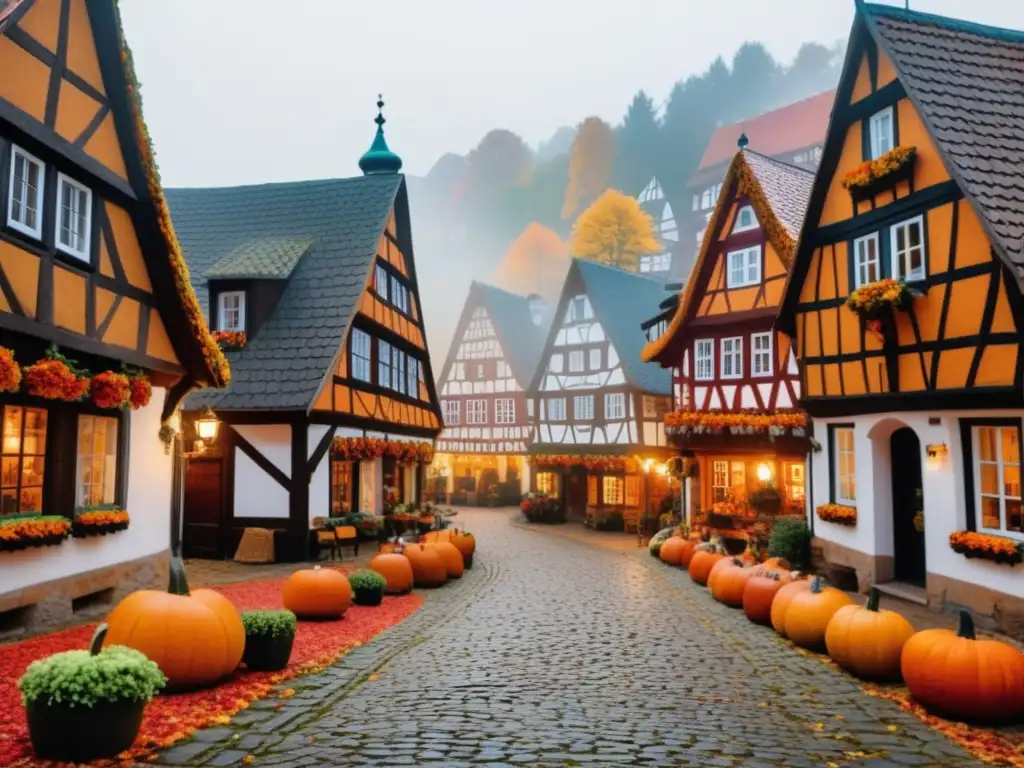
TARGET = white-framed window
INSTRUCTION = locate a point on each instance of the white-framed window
(231, 311)
(844, 466)
(613, 490)
(997, 479)
(25, 203)
(583, 407)
(577, 309)
(744, 267)
(555, 363)
(450, 412)
(614, 405)
(881, 130)
(556, 408)
(383, 363)
(705, 199)
(732, 357)
(576, 361)
(696, 202)
(361, 365)
(476, 411)
(761, 354)
(74, 217)
(595, 359)
(704, 355)
(867, 265)
(479, 370)
(412, 388)
(719, 480)
(97, 461)
(399, 295)
(745, 220)
(908, 256)
(398, 370)
(380, 282)
(504, 410)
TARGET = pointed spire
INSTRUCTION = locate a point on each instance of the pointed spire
(743, 141)
(379, 159)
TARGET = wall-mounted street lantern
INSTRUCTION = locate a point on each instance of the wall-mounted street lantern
(207, 426)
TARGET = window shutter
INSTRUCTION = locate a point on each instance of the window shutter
(632, 491)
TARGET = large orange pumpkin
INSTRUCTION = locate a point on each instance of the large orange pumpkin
(956, 674)
(428, 569)
(466, 544)
(781, 601)
(317, 593)
(396, 570)
(809, 613)
(724, 564)
(672, 550)
(758, 594)
(729, 586)
(777, 562)
(196, 638)
(452, 558)
(701, 564)
(866, 641)
(689, 548)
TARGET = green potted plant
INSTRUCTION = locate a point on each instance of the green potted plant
(791, 540)
(766, 500)
(268, 639)
(367, 587)
(87, 705)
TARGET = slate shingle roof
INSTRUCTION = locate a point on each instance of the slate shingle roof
(522, 340)
(787, 189)
(967, 82)
(267, 258)
(283, 366)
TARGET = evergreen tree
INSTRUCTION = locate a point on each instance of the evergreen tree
(637, 158)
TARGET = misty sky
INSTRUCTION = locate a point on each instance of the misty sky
(244, 91)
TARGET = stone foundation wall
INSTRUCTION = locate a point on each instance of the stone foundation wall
(870, 569)
(50, 606)
(995, 611)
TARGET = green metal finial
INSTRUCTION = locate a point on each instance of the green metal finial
(742, 143)
(379, 119)
(380, 159)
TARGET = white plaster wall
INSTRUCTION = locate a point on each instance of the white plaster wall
(148, 504)
(320, 480)
(257, 494)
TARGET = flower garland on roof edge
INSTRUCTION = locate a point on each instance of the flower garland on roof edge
(55, 377)
(591, 462)
(369, 448)
(758, 420)
(777, 234)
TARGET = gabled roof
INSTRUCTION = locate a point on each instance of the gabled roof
(343, 219)
(267, 258)
(779, 193)
(522, 340)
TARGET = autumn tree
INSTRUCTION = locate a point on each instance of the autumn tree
(536, 262)
(590, 165)
(614, 230)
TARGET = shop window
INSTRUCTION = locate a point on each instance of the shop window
(632, 491)
(613, 490)
(22, 460)
(97, 461)
(547, 483)
(341, 487)
(728, 481)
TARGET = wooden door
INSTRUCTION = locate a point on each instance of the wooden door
(907, 497)
(576, 493)
(203, 513)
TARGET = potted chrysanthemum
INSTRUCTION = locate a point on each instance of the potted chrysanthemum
(269, 636)
(367, 587)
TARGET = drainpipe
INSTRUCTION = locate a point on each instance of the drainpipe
(809, 492)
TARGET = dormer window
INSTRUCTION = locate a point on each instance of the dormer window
(744, 267)
(381, 282)
(745, 220)
(881, 131)
(231, 311)
(74, 206)
(25, 204)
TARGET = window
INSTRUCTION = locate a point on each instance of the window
(380, 282)
(696, 202)
(595, 359)
(728, 481)
(576, 361)
(556, 408)
(450, 412)
(74, 217)
(880, 126)
(744, 267)
(908, 250)
(22, 460)
(704, 354)
(504, 410)
(412, 388)
(479, 370)
(761, 354)
(583, 407)
(398, 371)
(341, 488)
(719, 480)
(555, 363)
(577, 309)
(383, 363)
(25, 205)
(745, 220)
(503, 370)
(476, 411)
(867, 267)
(399, 294)
(613, 489)
(97, 461)
(732, 358)
(592, 497)
(547, 483)
(705, 199)
(997, 478)
(231, 311)
(632, 491)
(844, 467)
(615, 405)
(361, 369)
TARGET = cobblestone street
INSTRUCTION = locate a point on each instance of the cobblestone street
(552, 652)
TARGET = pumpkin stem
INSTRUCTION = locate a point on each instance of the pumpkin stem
(873, 597)
(816, 584)
(97, 639)
(179, 583)
(966, 628)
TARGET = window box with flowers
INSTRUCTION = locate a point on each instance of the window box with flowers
(99, 521)
(230, 339)
(34, 530)
(837, 513)
(883, 173)
(986, 546)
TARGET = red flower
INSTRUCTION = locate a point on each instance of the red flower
(141, 392)
(52, 379)
(110, 390)
(10, 372)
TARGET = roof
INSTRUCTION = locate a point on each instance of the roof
(522, 340)
(7, 9)
(270, 258)
(967, 83)
(779, 193)
(342, 220)
(622, 301)
(789, 128)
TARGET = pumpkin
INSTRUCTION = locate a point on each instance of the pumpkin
(724, 564)
(432, 537)
(956, 674)
(701, 563)
(466, 544)
(758, 594)
(866, 641)
(749, 557)
(777, 562)
(428, 569)
(809, 613)
(781, 601)
(689, 548)
(729, 586)
(317, 593)
(396, 570)
(451, 557)
(672, 550)
(196, 638)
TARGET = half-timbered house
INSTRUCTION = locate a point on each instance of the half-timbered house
(598, 409)
(100, 333)
(314, 284)
(735, 379)
(488, 431)
(654, 203)
(915, 384)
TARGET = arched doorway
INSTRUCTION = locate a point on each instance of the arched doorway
(907, 503)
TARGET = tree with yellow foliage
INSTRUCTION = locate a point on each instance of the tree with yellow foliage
(614, 230)
(591, 160)
(535, 263)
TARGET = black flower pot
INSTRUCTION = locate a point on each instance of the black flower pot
(69, 734)
(267, 654)
(468, 561)
(367, 596)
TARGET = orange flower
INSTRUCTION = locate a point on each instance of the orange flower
(879, 168)
(52, 379)
(837, 513)
(984, 545)
(230, 339)
(10, 371)
(141, 392)
(758, 420)
(110, 390)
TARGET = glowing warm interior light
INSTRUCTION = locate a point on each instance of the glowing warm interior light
(764, 473)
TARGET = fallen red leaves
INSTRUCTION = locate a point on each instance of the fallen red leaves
(174, 716)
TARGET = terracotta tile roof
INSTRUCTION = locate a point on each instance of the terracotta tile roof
(782, 130)
(967, 82)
